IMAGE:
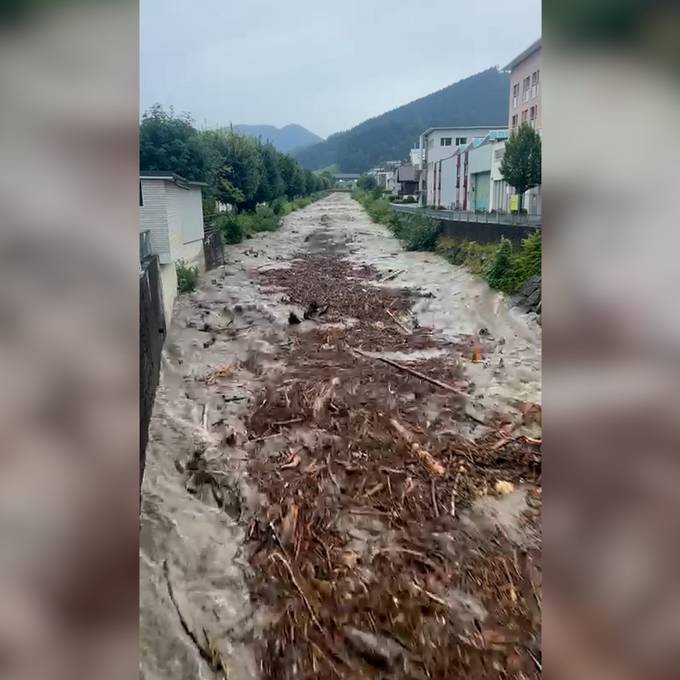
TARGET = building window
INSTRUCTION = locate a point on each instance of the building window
(533, 112)
(525, 89)
(514, 121)
(534, 84)
(515, 95)
(445, 141)
(141, 195)
(461, 140)
(524, 116)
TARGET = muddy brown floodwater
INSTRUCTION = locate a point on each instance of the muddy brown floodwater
(343, 472)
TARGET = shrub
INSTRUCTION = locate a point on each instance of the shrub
(409, 199)
(528, 261)
(380, 210)
(472, 255)
(264, 219)
(280, 206)
(231, 228)
(187, 277)
(415, 232)
(501, 274)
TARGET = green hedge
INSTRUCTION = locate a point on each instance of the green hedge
(236, 227)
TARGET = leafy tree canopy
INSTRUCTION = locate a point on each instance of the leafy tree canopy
(238, 169)
(521, 164)
(170, 142)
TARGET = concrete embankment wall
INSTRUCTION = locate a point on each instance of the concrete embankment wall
(484, 233)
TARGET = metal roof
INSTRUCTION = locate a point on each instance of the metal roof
(497, 135)
(461, 127)
(170, 177)
(534, 47)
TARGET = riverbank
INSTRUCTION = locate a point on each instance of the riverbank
(503, 266)
(344, 462)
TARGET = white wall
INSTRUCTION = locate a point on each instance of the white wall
(169, 289)
(436, 152)
(429, 174)
(174, 216)
(193, 254)
(448, 192)
(479, 159)
(499, 189)
(153, 217)
(191, 209)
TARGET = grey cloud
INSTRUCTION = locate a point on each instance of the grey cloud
(326, 66)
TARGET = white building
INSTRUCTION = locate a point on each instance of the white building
(525, 105)
(171, 210)
(416, 157)
(437, 143)
(464, 177)
(500, 190)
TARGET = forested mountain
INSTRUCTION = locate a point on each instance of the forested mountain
(481, 99)
(285, 139)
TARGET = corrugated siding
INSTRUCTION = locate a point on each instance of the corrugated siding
(153, 216)
(174, 221)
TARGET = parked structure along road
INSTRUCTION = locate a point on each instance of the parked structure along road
(343, 472)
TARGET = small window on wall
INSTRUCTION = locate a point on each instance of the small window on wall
(446, 141)
(461, 140)
(514, 121)
(524, 116)
(141, 195)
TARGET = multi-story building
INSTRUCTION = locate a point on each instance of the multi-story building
(525, 104)
(465, 176)
(437, 143)
(525, 87)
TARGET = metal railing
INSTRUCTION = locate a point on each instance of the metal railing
(467, 216)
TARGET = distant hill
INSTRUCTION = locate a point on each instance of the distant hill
(481, 99)
(285, 139)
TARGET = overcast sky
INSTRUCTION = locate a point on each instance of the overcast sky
(324, 65)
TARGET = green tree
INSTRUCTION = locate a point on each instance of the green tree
(234, 167)
(271, 184)
(501, 273)
(327, 178)
(367, 183)
(521, 164)
(168, 142)
(293, 176)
